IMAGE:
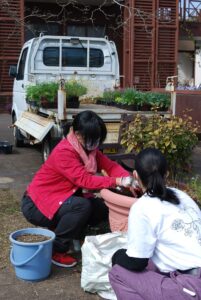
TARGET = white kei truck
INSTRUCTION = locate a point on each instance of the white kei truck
(94, 61)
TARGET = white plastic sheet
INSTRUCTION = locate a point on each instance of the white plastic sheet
(97, 253)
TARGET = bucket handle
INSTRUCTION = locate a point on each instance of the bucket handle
(20, 264)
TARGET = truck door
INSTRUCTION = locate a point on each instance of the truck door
(19, 102)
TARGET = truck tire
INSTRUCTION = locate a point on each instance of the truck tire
(46, 148)
(18, 137)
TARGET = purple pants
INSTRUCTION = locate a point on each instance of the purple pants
(153, 285)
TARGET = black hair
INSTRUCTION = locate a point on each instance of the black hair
(90, 126)
(151, 166)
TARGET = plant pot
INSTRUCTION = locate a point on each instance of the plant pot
(48, 104)
(100, 101)
(32, 103)
(119, 105)
(110, 103)
(119, 207)
(133, 107)
(145, 107)
(73, 102)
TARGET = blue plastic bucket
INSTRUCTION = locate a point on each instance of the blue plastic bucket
(32, 261)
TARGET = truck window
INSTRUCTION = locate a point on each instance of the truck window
(96, 58)
(51, 56)
(20, 73)
(73, 57)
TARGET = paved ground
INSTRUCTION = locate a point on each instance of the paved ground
(16, 171)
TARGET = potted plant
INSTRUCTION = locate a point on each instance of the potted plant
(130, 99)
(159, 101)
(42, 94)
(45, 94)
(110, 96)
(74, 89)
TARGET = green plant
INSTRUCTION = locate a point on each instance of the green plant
(47, 90)
(194, 185)
(110, 96)
(130, 96)
(159, 100)
(75, 88)
(175, 137)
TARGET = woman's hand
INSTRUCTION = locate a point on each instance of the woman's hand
(124, 181)
(118, 181)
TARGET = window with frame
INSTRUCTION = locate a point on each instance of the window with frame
(51, 56)
(20, 73)
(73, 57)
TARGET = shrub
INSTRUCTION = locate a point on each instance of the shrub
(175, 137)
(75, 88)
(194, 186)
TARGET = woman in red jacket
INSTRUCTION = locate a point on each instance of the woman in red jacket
(55, 198)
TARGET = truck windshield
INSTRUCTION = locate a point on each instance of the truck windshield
(73, 57)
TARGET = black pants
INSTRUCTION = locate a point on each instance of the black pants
(69, 221)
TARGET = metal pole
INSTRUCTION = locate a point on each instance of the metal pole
(173, 102)
(61, 101)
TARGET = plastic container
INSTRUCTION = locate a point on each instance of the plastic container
(6, 147)
(32, 261)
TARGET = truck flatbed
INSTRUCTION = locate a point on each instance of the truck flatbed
(107, 113)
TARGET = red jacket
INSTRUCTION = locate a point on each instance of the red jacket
(63, 173)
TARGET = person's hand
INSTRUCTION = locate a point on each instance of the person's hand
(126, 181)
(118, 181)
(133, 191)
(104, 173)
(136, 189)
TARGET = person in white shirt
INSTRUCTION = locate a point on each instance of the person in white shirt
(163, 256)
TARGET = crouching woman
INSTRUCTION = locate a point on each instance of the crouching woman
(55, 198)
(163, 256)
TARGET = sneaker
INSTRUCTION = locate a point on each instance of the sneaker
(63, 260)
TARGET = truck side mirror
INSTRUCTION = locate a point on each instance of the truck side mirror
(13, 71)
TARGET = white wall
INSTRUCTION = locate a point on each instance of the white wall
(198, 67)
(185, 68)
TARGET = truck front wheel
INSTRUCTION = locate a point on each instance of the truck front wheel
(18, 137)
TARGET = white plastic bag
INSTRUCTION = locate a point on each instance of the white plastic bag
(97, 253)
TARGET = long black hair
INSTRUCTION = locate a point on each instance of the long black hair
(91, 127)
(151, 167)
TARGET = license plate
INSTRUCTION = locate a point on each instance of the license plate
(112, 133)
(109, 150)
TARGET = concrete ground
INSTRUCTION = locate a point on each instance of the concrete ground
(16, 171)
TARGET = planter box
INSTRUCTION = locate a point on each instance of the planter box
(72, 102)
